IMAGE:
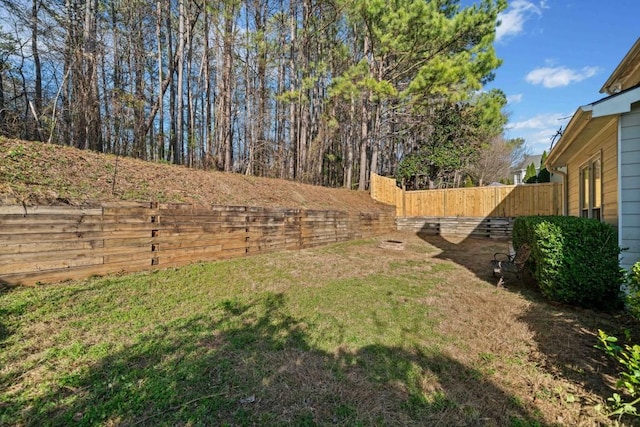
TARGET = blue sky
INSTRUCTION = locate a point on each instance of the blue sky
(556, 56)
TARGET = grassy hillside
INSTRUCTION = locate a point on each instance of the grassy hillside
(37, 173)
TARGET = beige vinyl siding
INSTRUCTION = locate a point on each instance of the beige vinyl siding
(605, 145)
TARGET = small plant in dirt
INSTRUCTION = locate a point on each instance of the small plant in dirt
(16, 152)
(574, 260)
(626, 401)
(628, 383)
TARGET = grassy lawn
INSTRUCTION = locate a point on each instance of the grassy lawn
(348, 334)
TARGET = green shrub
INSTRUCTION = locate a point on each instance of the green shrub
(531, 175)
(574, 260)
(628, 381)
(544, 176)
(633, 290)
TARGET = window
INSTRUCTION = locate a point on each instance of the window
(591, 189)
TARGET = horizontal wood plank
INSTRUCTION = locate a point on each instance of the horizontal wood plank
(43, 244)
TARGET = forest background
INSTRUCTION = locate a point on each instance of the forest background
(317, 91)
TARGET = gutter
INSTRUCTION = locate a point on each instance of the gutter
(619, 183)
(565, 192)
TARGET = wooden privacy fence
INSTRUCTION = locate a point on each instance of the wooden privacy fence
(53, 243)
(505, 201)
(385, 190)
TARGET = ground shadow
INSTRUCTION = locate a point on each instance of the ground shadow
(568, 338)
(475, 254)
(565, 337)
(251, 363)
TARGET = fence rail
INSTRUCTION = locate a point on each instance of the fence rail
(477, 202)
(48, 243)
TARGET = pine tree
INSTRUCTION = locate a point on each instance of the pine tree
(543, 175)
(531, 177)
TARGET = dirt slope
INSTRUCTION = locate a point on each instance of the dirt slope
(37, 173)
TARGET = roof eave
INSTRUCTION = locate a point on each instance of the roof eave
(610, 106)
(573, 129)
(618, 75)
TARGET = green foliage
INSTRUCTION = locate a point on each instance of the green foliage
(411, 33)
(16, 152)
(411, 169)
(8, 46)
(629, 378)
(356, 80)
(455, 140)
(469, 59)
(531, 176)
(574, 260)
(442, 55)
(633, 290)
(468, 182)
(543, 175)
(489, 107)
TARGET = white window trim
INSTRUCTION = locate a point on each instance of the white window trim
(588, 166)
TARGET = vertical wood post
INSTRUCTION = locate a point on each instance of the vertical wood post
(404, 199)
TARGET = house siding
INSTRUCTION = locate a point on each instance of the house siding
(605, 145)
(630, 186)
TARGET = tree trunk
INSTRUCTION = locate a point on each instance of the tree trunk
(160, 144)
(191, 109)
(261, 143)
(91, 106)
(364, 139)
(207, 76)
(348, 181)
(225, 92)
(139, 58)
(364, 127)
(293, 85)
(179, 117)
(37, 68)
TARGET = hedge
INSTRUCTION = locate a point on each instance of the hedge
(574, 260)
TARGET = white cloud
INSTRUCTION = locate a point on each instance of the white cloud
(538, 131)
(513, 19)
(514, 99)
(538, 121)
(551, 77)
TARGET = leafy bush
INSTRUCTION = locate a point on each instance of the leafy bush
(544, 176)
(531, 175)
(628, 357)
(629, 379)
(574, 260)
(633, 290)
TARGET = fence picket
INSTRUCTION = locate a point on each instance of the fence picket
(477, 202)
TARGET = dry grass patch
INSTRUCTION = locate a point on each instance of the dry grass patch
(36, 173)
(348, 334)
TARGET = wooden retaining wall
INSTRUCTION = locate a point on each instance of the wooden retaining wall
(54, 243)
(490, 227)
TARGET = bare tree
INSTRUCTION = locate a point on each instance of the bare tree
(493, 163)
